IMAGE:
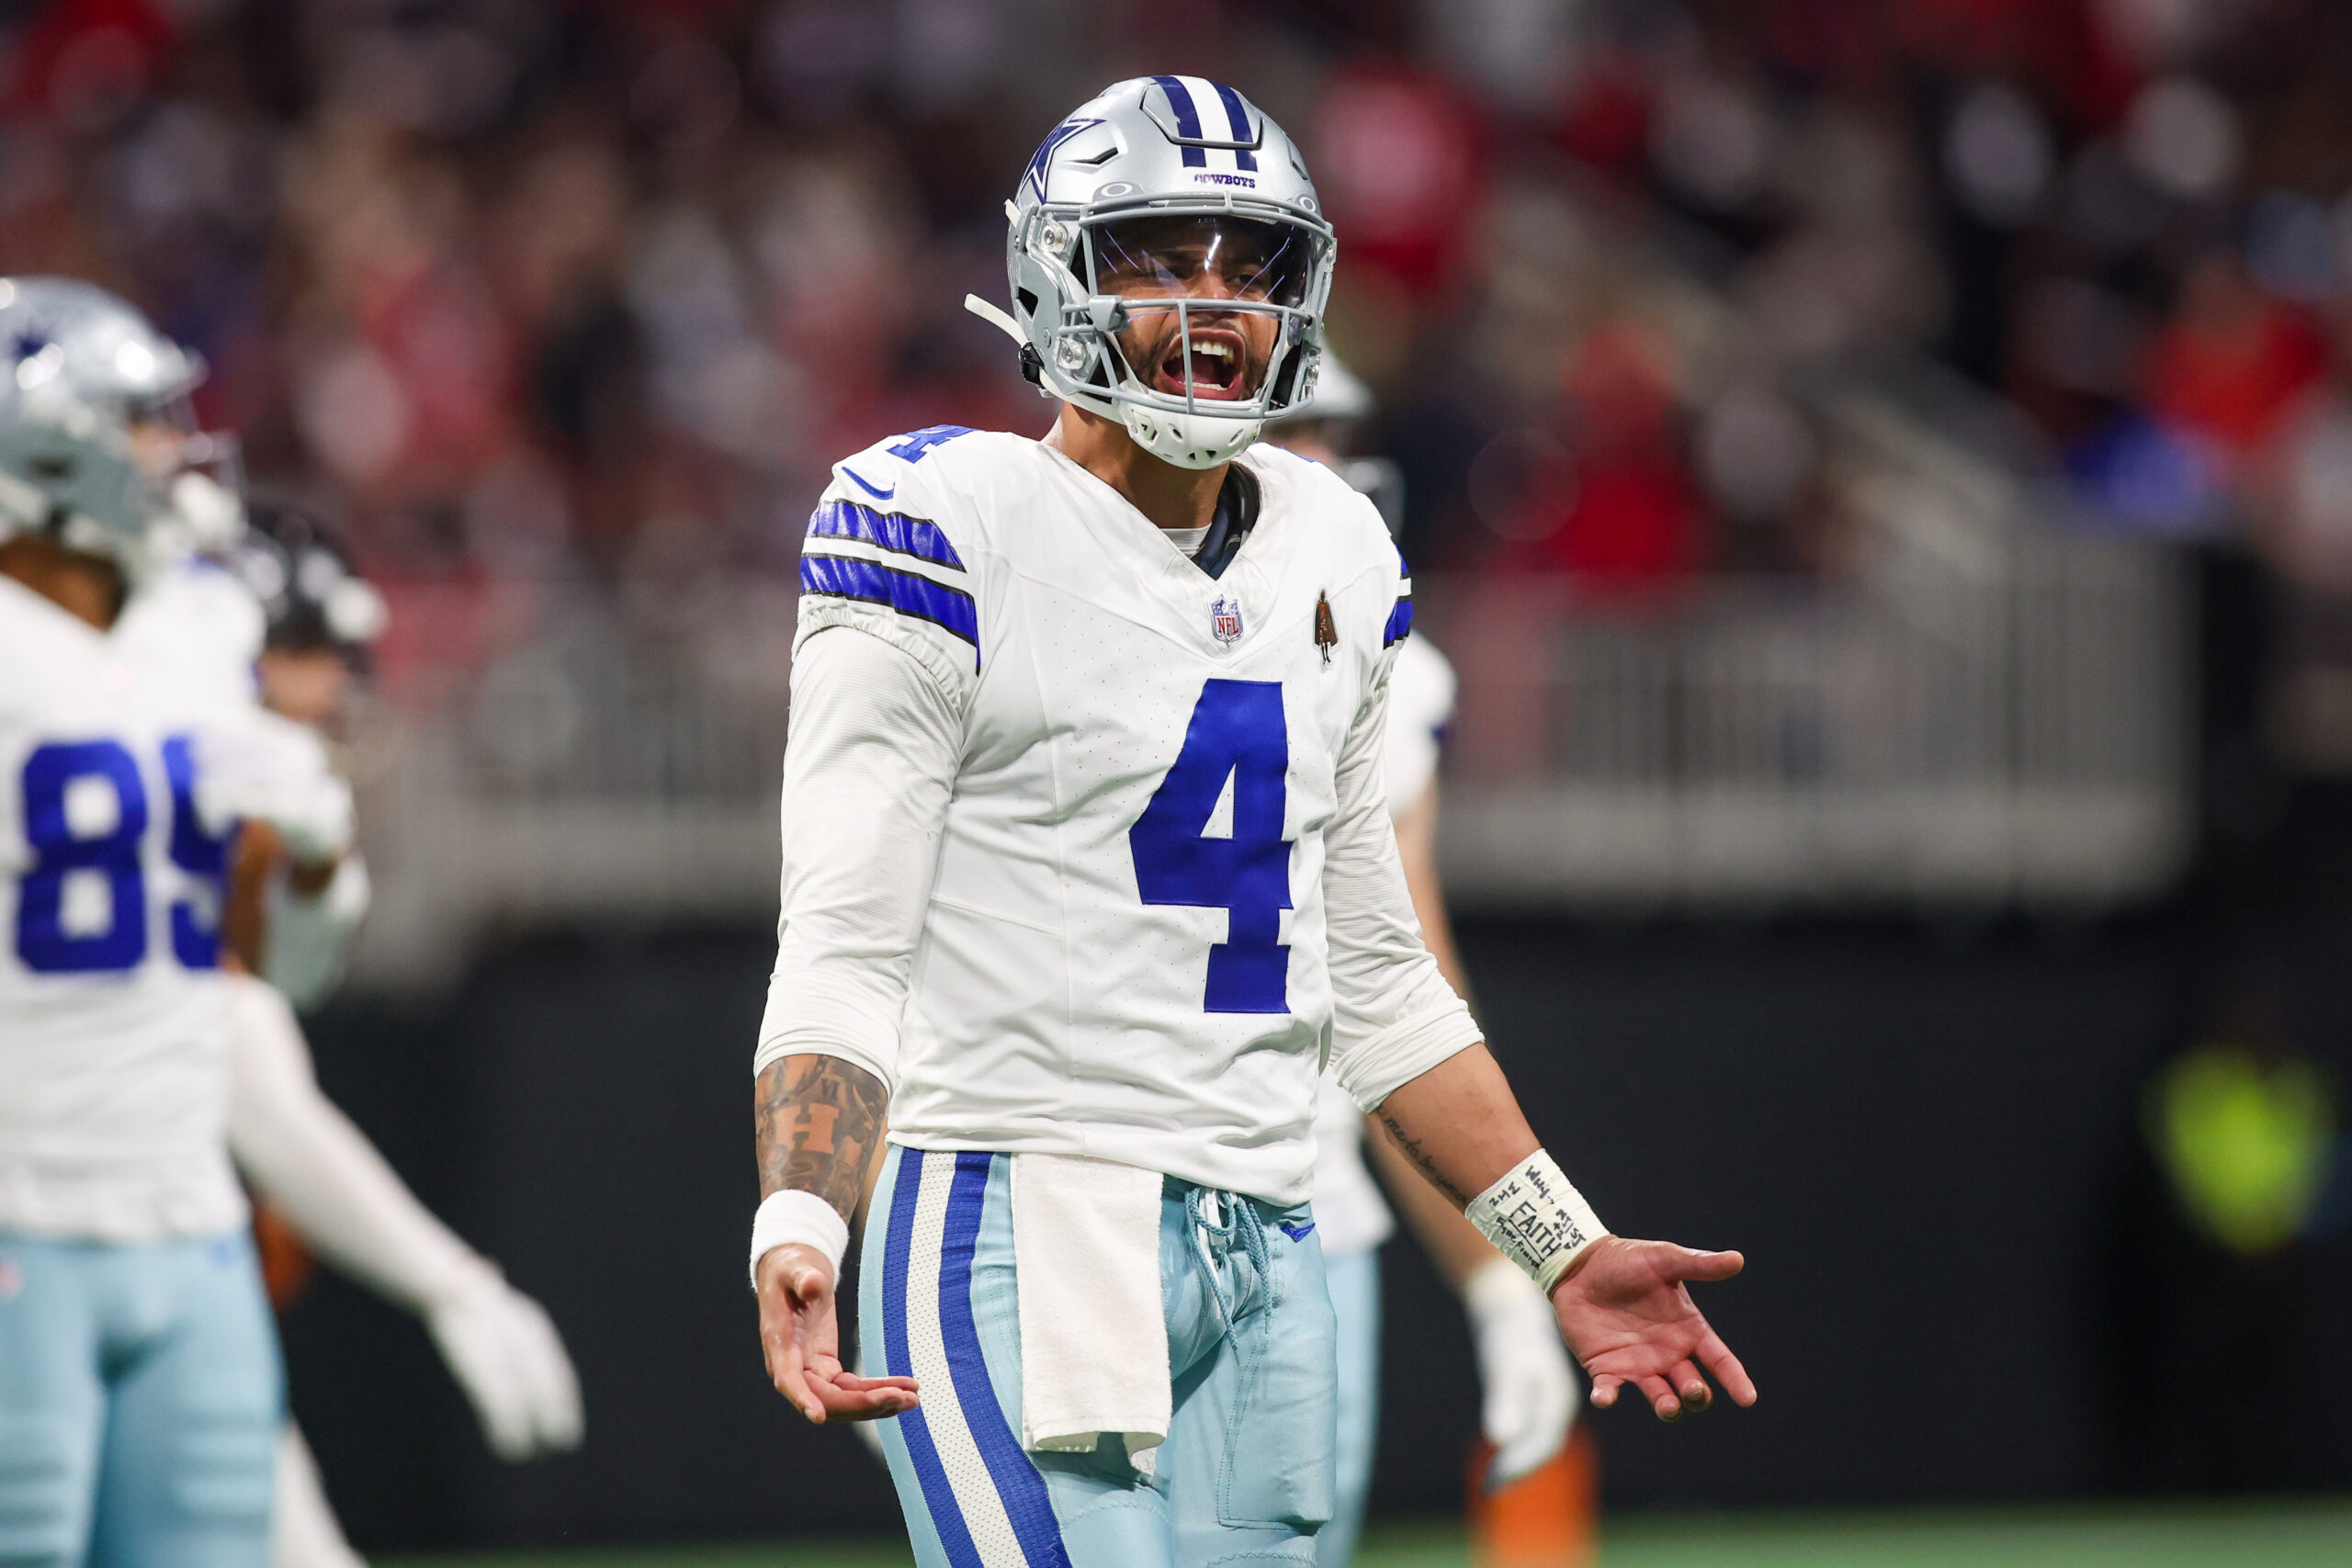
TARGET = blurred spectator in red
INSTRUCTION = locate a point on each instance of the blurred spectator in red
(2231, 360)
(1400, 164)
(1626, 518)
(2300, 493)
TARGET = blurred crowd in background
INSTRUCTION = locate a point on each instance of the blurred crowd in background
(531, 293)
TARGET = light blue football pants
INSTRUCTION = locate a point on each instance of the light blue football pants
(1355, 1312)
(140, 1397)
(1245, 1473)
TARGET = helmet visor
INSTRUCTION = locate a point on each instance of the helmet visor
(1212, 255)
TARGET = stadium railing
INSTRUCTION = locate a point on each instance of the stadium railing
(1988, 708)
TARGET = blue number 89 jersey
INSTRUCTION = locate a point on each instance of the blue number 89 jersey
(1164, 882)
(112, 1071)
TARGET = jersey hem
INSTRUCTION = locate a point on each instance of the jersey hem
(1077, 1142)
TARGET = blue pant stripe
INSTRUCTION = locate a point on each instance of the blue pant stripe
(1018, 1483)
(938, 1496)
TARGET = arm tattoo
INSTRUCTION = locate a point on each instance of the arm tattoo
(1412, 1150)
(819, 1122)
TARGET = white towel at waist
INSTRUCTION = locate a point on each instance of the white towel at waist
(1093, 1336)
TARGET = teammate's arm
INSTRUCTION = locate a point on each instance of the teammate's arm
(1417, 852)
(260, 768)
(305, 1157)
(869, 770)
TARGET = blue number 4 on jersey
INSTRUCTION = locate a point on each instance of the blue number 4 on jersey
(1236, 732)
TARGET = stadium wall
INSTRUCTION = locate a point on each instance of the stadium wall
(1925, 1138)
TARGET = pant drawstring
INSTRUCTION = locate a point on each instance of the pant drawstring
(1217, 1217)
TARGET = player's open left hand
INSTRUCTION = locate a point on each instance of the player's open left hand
(802, 1341)
(1625, 1310)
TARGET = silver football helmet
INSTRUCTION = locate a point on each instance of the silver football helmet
(1148, 219)
(98, 442)
(312, 597)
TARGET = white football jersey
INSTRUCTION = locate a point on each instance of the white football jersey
(112, 1076)
(1348, 1209)
(1161, 885)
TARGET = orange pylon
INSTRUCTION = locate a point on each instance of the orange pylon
(1548, 1518)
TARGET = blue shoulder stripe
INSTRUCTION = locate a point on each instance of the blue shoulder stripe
(1400, 621)
(845, 576)
(905, 536)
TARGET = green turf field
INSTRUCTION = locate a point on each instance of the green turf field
(2249, 1535)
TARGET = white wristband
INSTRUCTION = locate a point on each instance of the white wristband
(796, 1218)
(1537, 1220)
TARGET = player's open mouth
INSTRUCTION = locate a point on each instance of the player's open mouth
(1219, 365)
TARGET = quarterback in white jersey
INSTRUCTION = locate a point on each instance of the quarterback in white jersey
(1087, 871)
(139, 1382)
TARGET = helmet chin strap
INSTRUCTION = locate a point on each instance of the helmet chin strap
(1188, 440)
(1192, 438)
(996, 315)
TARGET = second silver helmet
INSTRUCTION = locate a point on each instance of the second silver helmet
(98, 445)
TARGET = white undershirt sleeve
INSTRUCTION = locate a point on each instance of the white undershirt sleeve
(306, 1157)
(867, 771)
(1394, 1017)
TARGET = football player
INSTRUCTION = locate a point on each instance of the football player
(1086, 870)
(322, 1179)
(140, 1389)
(1529, 1393)
(321, 617)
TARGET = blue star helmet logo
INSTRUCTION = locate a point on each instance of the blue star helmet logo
(28, 342)
(1054, 137)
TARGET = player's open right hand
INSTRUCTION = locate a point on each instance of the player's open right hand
(802, 1341)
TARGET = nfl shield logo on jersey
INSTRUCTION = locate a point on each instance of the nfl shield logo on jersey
(1225, 620)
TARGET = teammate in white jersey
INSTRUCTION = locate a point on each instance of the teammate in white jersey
(321, 1178)
(1087, 869)
(1530, 1393)
(139, 1380)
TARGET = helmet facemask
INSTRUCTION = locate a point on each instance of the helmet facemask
(197, 477)
(1192, 324)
